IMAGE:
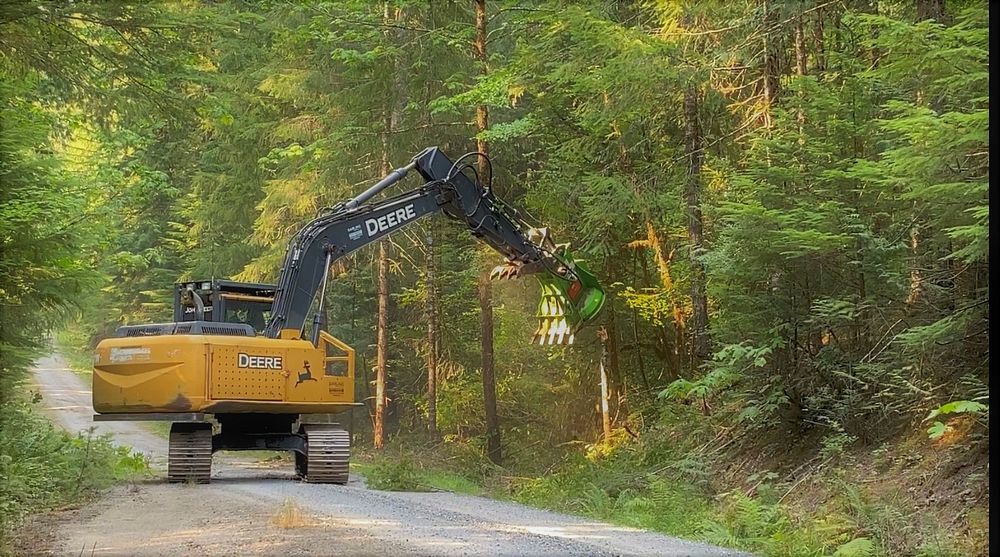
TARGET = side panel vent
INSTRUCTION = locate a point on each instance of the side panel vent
(217, 330)
(144, 330)
(186, 328)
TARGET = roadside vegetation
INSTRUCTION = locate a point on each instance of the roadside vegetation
(786, 201)
(851, 503)
(44, 468)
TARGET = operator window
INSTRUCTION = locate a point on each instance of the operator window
(337, 368)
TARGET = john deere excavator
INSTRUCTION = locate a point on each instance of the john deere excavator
(238, 356)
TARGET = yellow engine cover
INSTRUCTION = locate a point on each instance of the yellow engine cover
(221, 374)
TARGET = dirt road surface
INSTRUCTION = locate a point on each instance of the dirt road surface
(249, 509)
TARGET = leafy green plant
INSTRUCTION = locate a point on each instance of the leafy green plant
(974, 408)
(727, 366)
(834, 443)
(858, 547)
(394, 474)
(44, 467)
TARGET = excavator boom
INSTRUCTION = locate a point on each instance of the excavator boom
(571, 295)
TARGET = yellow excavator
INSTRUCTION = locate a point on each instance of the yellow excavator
(242, 367)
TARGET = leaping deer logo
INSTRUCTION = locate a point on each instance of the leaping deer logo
(305, 375)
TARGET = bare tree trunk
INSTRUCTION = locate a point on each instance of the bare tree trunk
(432, 339)
(485, 292)
(482, 115)
(800, 48)
(916, 276)
(818, 40)
(381, 345)
(392, 116)
(610, 350)
(930, 9)
(699, 299)
(771, 62)
(381, 335)
(489, 380)
(800, 69)
(605, 394)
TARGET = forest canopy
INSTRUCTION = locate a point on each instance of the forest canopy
(787, 202)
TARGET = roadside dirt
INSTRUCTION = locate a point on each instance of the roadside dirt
(250, 509)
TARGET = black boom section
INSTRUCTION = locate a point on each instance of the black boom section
(352, 225)
(487, 217)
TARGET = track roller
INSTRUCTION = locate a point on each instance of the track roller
(190, 455)
(328, 454)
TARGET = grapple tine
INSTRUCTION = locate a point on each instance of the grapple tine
(570, 295)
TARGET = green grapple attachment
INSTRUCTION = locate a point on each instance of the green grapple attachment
(571, 294)
(567, 303)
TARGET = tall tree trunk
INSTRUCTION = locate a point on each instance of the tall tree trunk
(818, 41)
(605, 394)
(916, 275)
(381, 334)
(800, 69)
(392, 115)
(771, 62)
(482, 114)
(930, 9)
(800, 48)
(489, 380)
(432, 338)
(381, 345)
(485, 291)
(610, 349)
(699, 299)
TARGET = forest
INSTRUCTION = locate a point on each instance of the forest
(786, 202)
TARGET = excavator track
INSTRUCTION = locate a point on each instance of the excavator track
(328, 454)
(190, 455)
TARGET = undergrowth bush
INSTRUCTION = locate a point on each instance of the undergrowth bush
(761, 524)
(44, 468)
(393, 474)
(620, 489)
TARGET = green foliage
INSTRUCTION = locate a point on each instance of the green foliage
(834, 443)
(405, 468)
(938, 428)
(858, 547)
(957, 407)
(44, 468)
(844, 239)
(393, 475)
(618, 491)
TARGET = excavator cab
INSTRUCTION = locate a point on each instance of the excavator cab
(224, 301)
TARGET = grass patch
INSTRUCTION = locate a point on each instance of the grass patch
(394, 474)
(401, 472)
(290, 515)
(160, 428)
(443, 480)
(601, 490)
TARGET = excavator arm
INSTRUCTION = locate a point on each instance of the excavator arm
(571, 295)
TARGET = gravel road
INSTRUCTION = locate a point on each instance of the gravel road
(250, 509)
